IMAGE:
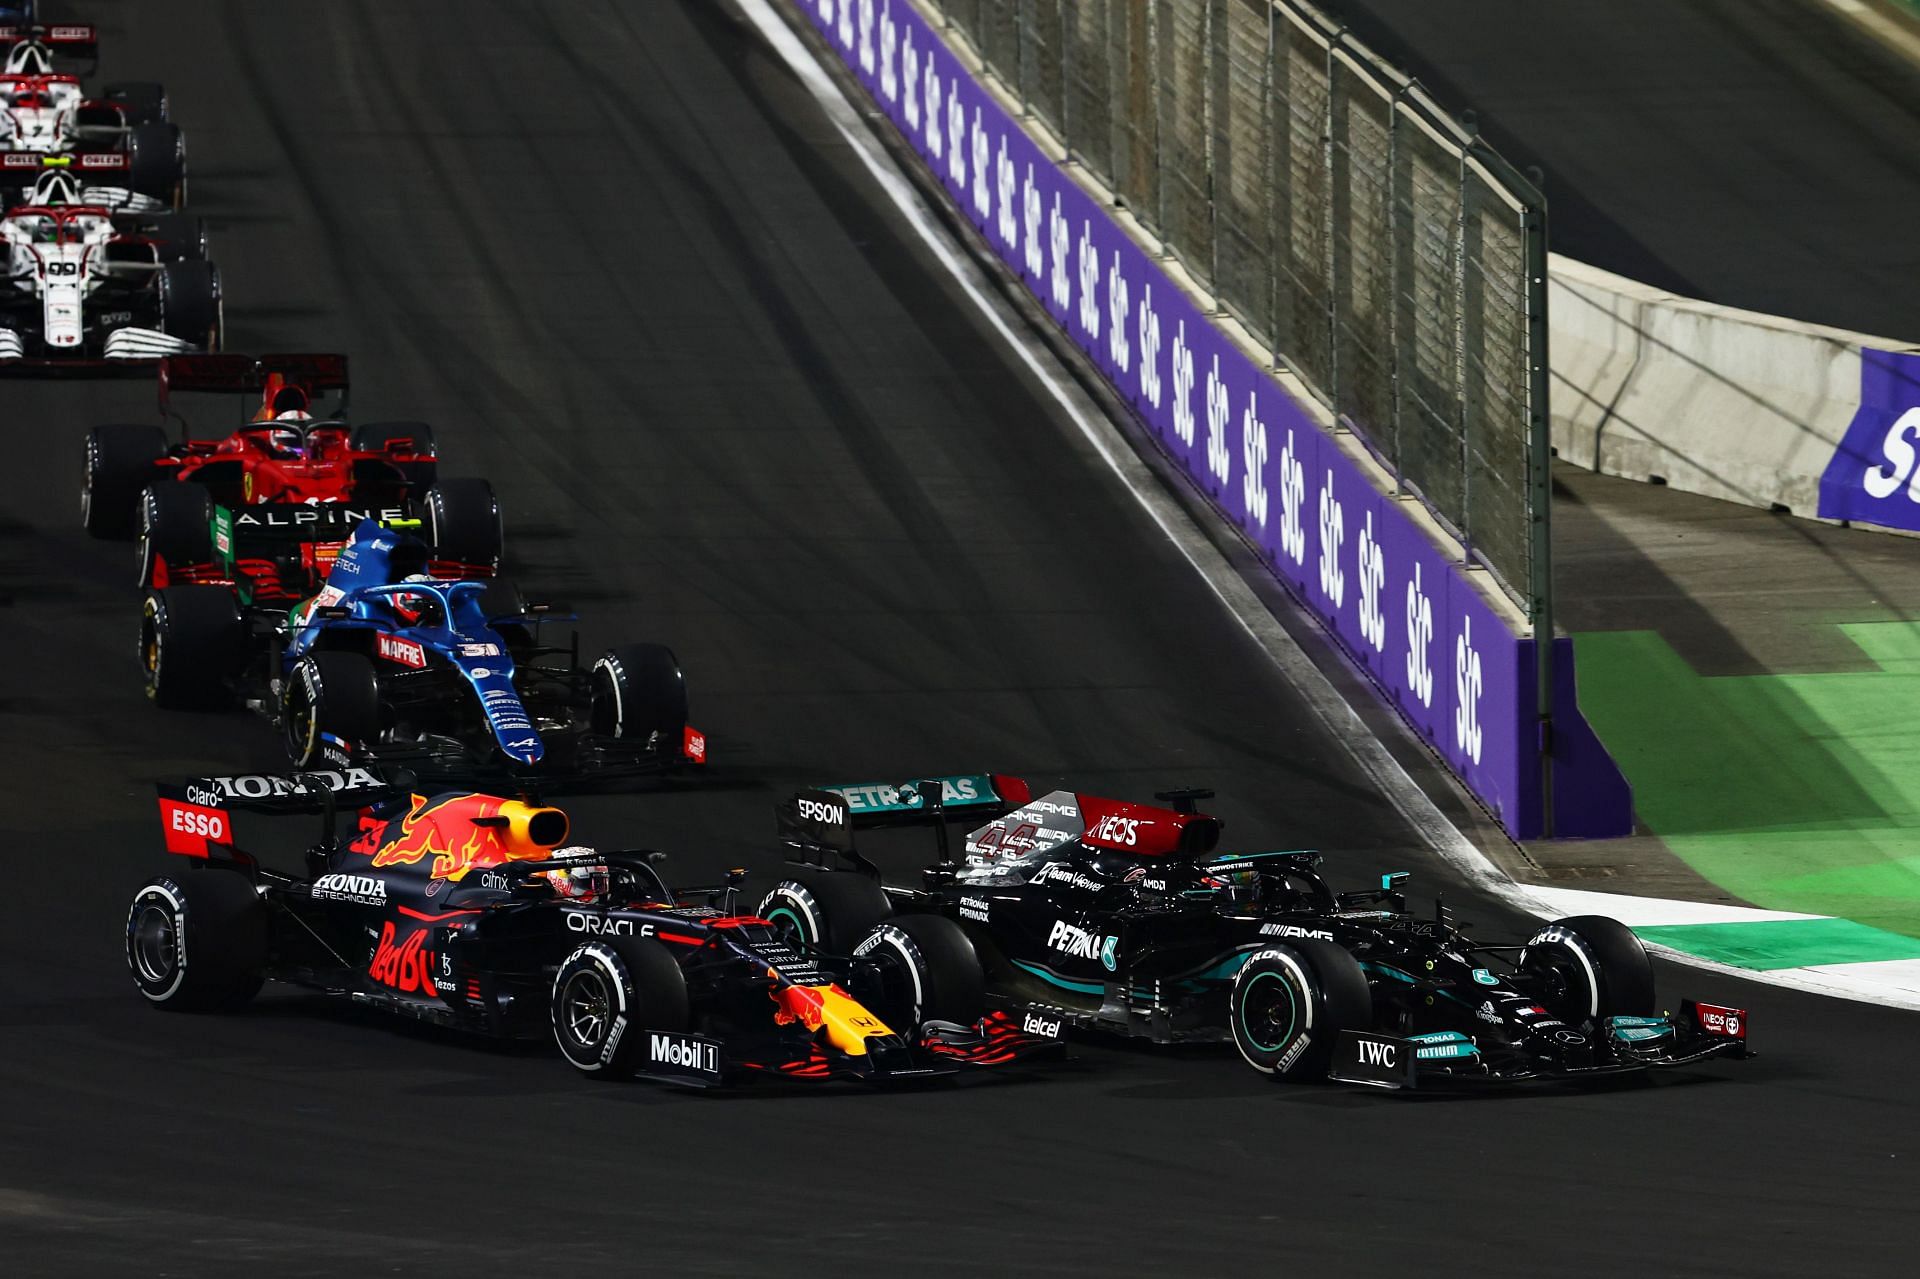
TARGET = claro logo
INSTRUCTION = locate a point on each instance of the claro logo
(1902, 468)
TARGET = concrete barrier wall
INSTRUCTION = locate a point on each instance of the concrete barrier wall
(1727, 403)
(1445, 649)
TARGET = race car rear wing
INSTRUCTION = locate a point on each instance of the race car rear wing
(82, 162)
(66, 39)
(819, 824)
(196, 815)
(244, 373)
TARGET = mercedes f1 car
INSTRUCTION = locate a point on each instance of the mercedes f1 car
(44, 111)
(389, 663)
(1125, 919)
(269, 505)
(87, 284)
(470, 911)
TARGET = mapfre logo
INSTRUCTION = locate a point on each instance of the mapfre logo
(403, 651)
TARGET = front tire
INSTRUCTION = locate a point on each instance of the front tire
(927, 970)
(329, 695)
(176, 529)
(197, 942)
(190, 303)
(607, 994)
(1587, 967)
(1289, 1004)
(639, 695)
(832, 911)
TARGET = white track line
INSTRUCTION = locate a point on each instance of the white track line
(1335, 714)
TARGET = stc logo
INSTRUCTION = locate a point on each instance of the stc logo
(1117, 345)
(846, 24)
(1089, 283)
(1150, 383)
(1333, 579)
(930, 99)
(1253, 449)
(956, 139)
(1030, 215)
(1293, 500)
(1217, 460)
(982, 189)
(1900, 470)
(889, 42)
(1467, 683)
(866, 36)
(910, 79)
(1060, 244)
(1008, 223)
(1182, 387)
(1373, 583)
(1419, 637)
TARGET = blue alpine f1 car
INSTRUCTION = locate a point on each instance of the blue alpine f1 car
(389, 664)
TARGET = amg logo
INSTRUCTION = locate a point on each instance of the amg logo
(685, 1052)
(1294, 930)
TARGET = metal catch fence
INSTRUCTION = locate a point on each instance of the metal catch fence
(1389, 258)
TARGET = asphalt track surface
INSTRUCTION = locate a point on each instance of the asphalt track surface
(633, 276)
(1762, 154)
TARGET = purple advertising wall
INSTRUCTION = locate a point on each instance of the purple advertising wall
(1874, 476)
(1401, 608)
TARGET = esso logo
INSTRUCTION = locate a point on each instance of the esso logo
(206, 825)
(814, 810)
(1116, 830)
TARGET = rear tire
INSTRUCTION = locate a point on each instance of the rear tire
(463, 524)
(607, 994)
(639, 695)
(120, 462)
(157, 162)
(832, 911)
(143, 101)
(197, 942)
(927, 970)
(192, 641)
(190, 303)
(1588, 967)
(1289, 1004)
(176, 528)
(181, 236)
(329, 694)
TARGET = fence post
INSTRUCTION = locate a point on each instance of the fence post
(1540, 495)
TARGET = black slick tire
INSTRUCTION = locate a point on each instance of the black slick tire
(1589, 967)
(197, 942)
(607, 994)
(1288, 1005)
(639, 695)
(328, 694)
(121, 460)
(927, 970)
(175, 528)
(830, 910)
(463, 525)
(190, 303)
(192, 641)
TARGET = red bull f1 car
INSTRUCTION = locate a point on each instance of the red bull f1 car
(1124, 918)
(473, 912)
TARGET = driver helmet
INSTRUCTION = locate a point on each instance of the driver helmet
(583, 883)
(55, 187)
(416, 608)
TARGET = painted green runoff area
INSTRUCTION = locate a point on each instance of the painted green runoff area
(1799, 793)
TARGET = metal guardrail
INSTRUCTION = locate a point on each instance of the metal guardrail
(1388, 257)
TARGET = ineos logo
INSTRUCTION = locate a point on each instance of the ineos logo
(1116, 830)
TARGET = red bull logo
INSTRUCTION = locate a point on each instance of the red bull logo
(461, 832)
(407, 967)
(847, 1022)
